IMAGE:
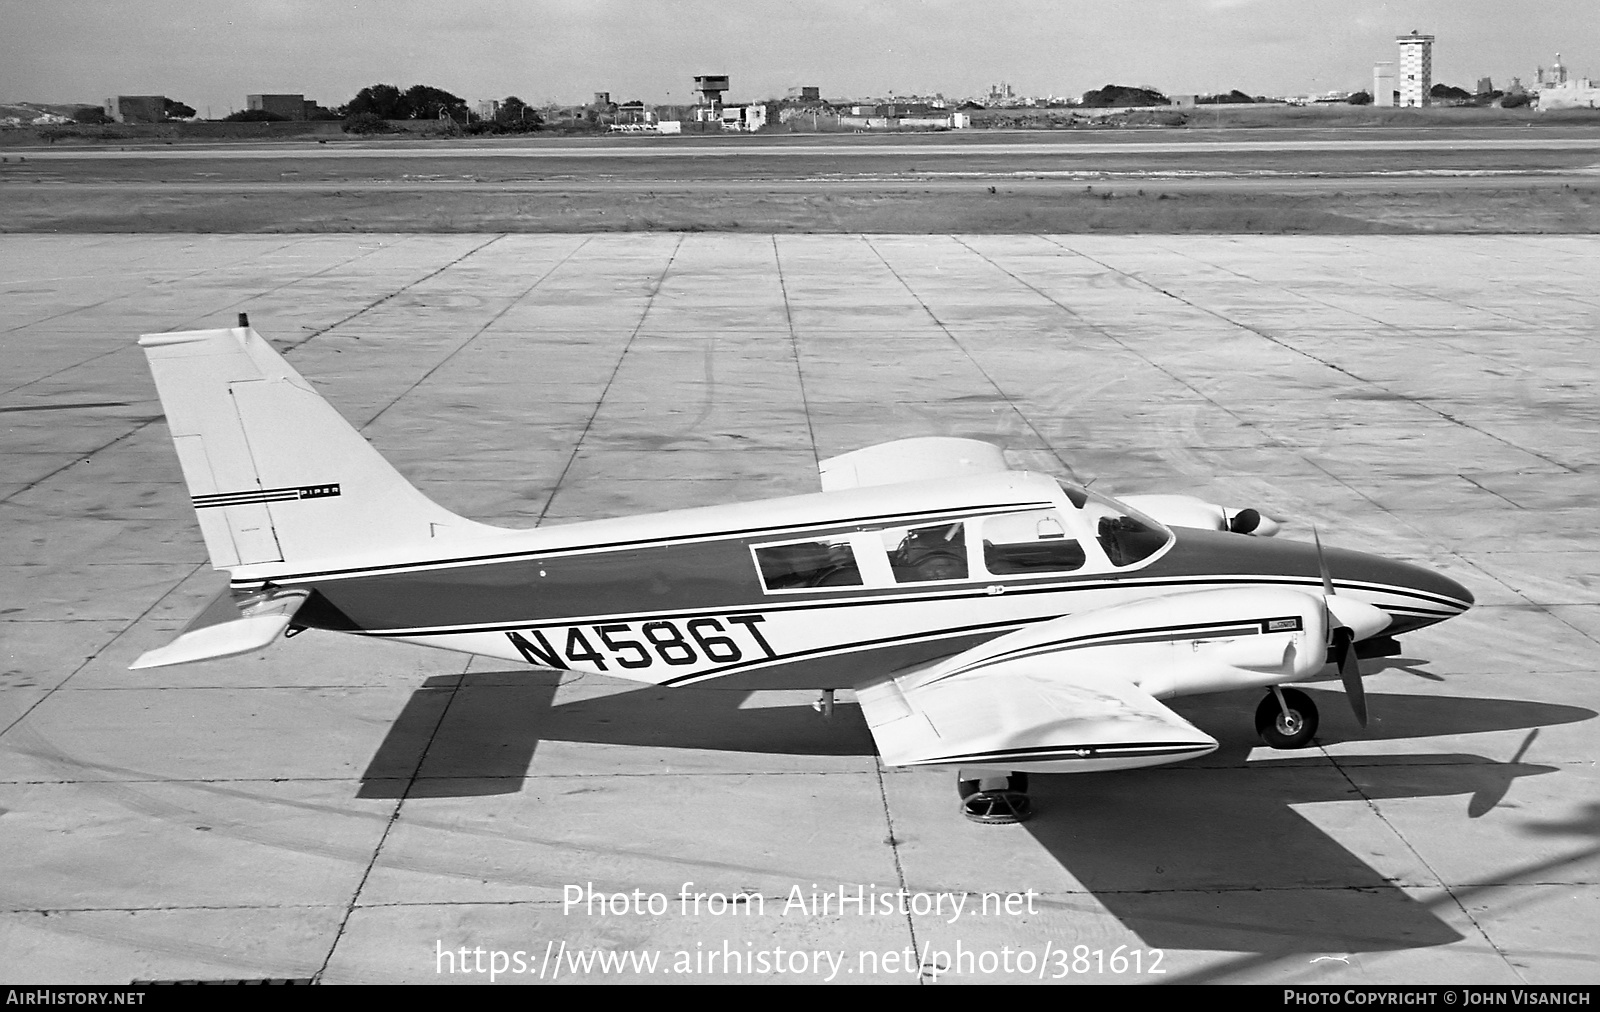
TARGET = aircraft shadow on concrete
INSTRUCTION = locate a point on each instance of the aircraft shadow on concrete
(1207, 855)
(1227, 864)
(1224, 862)
(487, 738)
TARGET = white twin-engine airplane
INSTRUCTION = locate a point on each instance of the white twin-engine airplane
(999, 621)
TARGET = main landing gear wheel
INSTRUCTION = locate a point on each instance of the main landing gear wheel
(1290, 724)
(995, 800)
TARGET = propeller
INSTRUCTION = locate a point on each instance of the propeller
(1342, 638)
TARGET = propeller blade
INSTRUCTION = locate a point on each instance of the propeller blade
(1322, 563)
(1342, 640)
(1344, 657)
(1493, 793)
(1526, 742)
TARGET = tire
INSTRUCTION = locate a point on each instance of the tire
(1297, 731)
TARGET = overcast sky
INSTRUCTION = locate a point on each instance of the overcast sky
(211, 53)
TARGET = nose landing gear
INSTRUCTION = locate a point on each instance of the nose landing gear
(1286, 718)
(993, 799)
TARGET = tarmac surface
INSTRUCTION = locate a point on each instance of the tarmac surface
(361, 811)
(1065, 182)
(789, 146)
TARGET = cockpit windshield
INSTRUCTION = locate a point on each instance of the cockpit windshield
(1127, 536)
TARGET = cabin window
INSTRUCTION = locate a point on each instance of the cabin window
(1127, 540)
(1035, 542)
(827, 562)
(1127, 536)
(926, 554)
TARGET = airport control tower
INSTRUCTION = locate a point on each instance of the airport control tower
(710, 88)
(1416, 68)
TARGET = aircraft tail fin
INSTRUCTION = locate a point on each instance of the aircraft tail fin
(275, 473)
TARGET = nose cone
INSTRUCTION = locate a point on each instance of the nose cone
(1414, 596)
(1459, 597)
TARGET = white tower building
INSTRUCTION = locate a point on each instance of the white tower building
(1383, 84)
(1416, 68)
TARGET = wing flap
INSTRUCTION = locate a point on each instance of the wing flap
(1027, 719)
(226, 627)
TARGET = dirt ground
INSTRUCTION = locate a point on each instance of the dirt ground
(1515, 179)
(1112, 210)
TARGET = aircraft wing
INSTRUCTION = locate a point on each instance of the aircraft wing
(1027, 719)
(920, 459)
(1080, 692)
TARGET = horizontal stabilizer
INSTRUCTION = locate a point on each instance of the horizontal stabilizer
(226, 627)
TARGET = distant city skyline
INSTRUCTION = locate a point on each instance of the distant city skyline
(212, 55)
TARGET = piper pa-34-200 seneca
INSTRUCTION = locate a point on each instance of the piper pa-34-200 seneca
(1001, 622)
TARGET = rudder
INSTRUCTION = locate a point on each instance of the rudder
(275, 473)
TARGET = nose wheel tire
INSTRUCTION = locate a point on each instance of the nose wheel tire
(1290, 725)
(997, 801)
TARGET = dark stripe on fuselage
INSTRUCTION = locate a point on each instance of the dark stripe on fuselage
(704, 573)
(897, 595)
(1119, 637)
(714, 577)
(1148, 634)
(985, 630)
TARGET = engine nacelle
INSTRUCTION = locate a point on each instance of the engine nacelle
(1177, 645)
(1191, 511)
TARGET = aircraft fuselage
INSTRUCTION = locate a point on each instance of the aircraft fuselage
(821, 591)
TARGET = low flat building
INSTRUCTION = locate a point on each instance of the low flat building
(744, 118)
(946, 121)
(288, 106)
(1558, 90)
(137, 108)
(1572, 93)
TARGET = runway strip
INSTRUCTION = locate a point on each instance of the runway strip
(966, 182)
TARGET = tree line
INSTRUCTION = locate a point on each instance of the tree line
(372, 108)
(376, 104)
